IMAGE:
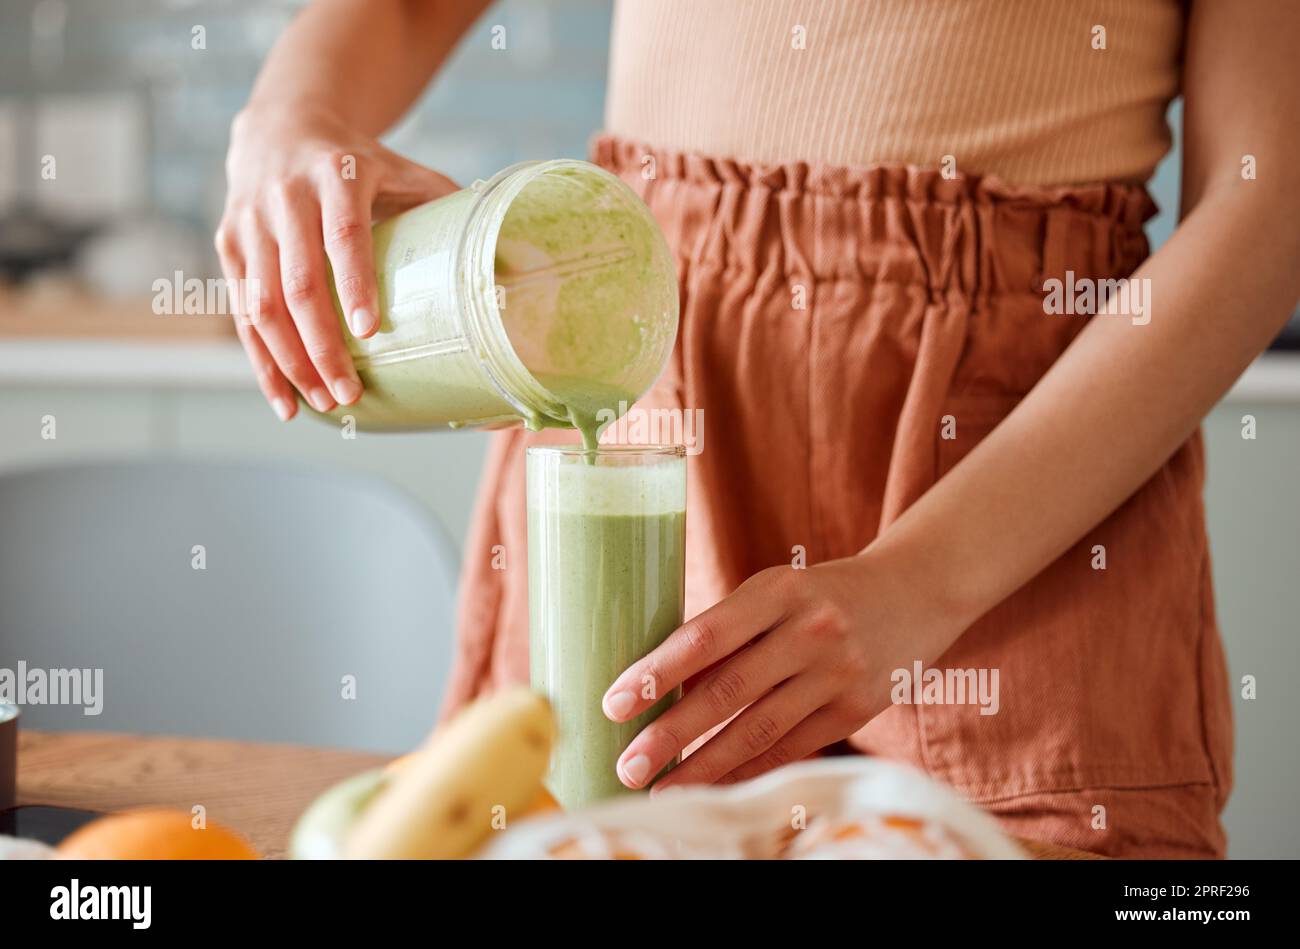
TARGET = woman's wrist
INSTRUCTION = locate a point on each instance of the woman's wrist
(260, 111)
(930, 599)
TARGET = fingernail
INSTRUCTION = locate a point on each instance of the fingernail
(361, 321)
(321, 400)
(283, 408)
(618, 705)
(636, 769)
(347, 391)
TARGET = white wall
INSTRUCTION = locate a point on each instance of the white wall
(1254, 521)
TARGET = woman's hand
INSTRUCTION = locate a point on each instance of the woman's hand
(303, 187)
(808, 654)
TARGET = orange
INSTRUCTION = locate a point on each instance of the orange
(153, 835)
(398, 765)
(542, 803)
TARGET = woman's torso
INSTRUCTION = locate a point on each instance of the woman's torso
(1016, 88)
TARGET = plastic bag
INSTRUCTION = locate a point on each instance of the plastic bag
(832, 808)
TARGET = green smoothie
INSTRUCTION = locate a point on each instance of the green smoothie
(606, 562)
(588, 406)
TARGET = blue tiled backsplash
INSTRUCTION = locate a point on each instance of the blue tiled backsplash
(64, 60)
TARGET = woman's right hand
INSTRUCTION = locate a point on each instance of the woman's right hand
(303, 187)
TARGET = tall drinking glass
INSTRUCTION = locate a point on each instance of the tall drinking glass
(606, 565)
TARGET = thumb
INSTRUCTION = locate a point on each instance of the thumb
(406, 184)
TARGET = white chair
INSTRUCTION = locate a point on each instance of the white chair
(313, 581)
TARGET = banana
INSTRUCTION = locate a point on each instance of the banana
(482, 769)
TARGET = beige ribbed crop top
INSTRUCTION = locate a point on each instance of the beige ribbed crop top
(1018, 88)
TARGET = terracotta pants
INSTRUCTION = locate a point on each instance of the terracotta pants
(831, 319)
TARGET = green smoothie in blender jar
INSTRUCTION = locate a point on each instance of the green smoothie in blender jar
(545, 295)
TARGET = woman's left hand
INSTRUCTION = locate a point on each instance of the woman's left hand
(808, 654)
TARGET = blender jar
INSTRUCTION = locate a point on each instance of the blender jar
(547, 289)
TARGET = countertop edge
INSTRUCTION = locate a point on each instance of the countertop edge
(1273, 378)
(129, 363)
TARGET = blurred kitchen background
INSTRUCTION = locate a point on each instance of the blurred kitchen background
(138, 120)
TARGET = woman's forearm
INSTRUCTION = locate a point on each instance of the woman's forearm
(1113, 408)
(365, 61)
(1123, 397)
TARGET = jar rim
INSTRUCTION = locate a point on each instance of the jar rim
(504, 368)
(665, 451)
(507, 371)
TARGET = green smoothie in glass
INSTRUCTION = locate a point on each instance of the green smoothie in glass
(606, 564)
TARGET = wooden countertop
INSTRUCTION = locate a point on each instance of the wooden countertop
(255, 788)
(58, 309)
